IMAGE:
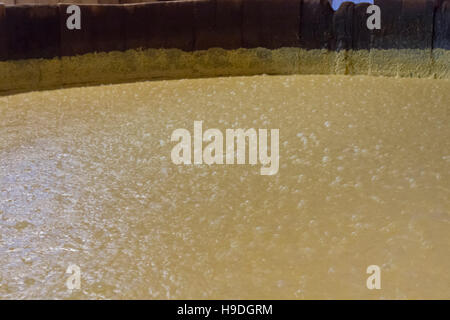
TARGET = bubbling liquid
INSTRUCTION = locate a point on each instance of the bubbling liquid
(86, 178)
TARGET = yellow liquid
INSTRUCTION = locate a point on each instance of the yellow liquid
(86, 178)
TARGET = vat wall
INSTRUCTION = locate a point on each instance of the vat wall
(267, 36)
